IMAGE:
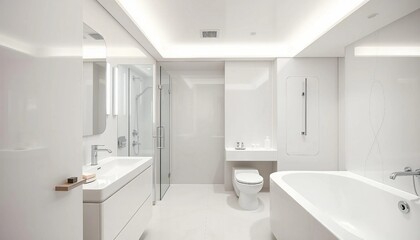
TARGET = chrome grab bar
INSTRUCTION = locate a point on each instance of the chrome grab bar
(305, 110)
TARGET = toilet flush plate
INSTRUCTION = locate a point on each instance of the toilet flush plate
(251, 154)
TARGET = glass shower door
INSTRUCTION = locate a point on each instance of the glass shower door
(164, 131)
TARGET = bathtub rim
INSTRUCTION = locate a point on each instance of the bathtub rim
(328, 222)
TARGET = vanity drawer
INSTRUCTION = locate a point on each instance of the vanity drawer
(117, 210)
(138, 223)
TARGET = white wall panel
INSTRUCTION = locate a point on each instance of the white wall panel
(382, 114)
(249, 103)
(325, 71)
(197, 124)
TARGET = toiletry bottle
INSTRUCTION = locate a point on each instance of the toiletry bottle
(267, 142)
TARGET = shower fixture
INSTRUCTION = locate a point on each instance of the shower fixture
(136, 142)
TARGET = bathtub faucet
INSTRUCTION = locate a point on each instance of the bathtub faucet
(407, 172)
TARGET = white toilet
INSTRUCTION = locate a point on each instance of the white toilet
(247, 182)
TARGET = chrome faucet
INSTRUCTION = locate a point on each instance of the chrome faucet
(407, 172)
(94, 153)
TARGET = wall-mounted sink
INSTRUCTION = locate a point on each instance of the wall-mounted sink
(251, 154)
(112, 174)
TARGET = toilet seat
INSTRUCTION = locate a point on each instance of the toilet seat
(249, 178)
(247, 183)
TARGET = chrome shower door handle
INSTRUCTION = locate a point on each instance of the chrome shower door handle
(159, 137)
(163, 137)
(305, 108)
(160, 132)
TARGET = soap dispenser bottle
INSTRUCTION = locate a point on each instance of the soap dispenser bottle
(267, 142)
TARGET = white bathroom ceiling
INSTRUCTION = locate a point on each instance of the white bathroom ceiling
(372, 16)
(247, 29)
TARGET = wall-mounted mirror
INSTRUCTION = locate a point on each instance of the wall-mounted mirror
(94, 87)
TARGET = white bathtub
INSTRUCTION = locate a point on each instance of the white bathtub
(339, 205)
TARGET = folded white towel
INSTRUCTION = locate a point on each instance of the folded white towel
(88, 175)
(90, 180)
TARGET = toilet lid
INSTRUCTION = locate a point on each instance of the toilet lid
(249, 178)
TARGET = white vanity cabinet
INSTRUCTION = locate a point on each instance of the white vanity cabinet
(125, 214)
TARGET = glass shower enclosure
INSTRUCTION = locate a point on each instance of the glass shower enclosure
(136, 118)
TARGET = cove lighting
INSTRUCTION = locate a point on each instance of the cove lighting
(320, 21)
(94, 52)
(125, 52)
(387, 51)
(173, 40)
(21, 46)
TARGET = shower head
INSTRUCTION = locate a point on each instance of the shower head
(140, 94)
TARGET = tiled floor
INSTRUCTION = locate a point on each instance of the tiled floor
(207, 212)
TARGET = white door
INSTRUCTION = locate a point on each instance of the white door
(40, 119)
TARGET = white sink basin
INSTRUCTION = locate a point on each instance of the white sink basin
(111, 175)
(251, 154)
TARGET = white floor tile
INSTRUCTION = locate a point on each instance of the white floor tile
(208, 212)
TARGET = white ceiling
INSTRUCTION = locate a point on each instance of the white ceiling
(282, 27)
(170, 30)
(359, 25)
